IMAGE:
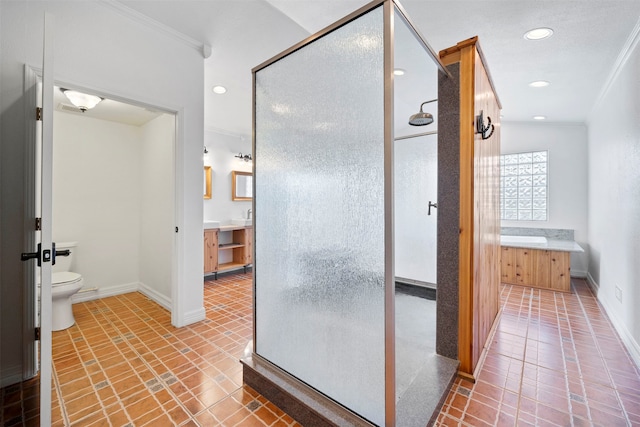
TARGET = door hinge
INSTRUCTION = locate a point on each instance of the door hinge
(38, 224)
(39, 114)
(37, 334)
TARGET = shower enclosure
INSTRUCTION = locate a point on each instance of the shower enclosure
(324, 273)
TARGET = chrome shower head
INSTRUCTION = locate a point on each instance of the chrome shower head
(422, 118)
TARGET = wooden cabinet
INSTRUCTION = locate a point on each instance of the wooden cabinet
(227, 248)
(235, 248)
(536, 267)
(560, 271)
(210, 251)
(508, 265)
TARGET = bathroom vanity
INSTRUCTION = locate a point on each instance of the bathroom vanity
(227, 247)
(537, 261)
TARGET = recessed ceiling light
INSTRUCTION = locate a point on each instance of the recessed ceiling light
(538, 34)
(399, 72)
(539, 117)
(219, 89)
(539, 83)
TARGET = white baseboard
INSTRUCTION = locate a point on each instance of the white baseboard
(579, 274)
(592, 284)
(193, 316)
(625, 335)
(11, 375)
(97, 293)
(110, 291)
(156, 296)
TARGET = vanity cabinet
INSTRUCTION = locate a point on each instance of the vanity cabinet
(227, 248)
(210, 251)
(239, 244)
(537, 268)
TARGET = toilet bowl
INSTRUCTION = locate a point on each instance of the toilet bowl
(64, 284)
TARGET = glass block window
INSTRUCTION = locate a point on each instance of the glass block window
(523, 186)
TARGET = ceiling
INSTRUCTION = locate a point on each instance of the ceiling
(577, 60)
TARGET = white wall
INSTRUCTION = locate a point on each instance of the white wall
(96, 199)
(157, 208)
(614, 196)
(567, 146)
(222, 149)
(99, 48)
(416, 183)
(113, 194)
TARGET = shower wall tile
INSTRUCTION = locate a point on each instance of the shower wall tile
(448, 212)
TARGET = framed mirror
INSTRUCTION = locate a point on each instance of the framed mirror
(207, 182)
(241, 185)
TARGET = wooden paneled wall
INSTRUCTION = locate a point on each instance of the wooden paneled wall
(479, 215)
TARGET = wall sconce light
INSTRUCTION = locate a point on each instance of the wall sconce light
(81, 100)
(246, 157)
(205, 150)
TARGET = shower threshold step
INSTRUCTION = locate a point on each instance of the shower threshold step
(422, 290)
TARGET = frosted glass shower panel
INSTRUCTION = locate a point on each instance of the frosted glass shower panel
(319, 223)
(418, 84)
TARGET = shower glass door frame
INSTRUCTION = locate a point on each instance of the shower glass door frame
(266, 274)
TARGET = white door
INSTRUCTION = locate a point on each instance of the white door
(38, 243)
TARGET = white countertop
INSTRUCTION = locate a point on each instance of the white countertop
(215, 225)
(548, 244)
(232, 227)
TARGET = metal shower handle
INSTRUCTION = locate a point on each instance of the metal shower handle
(432, 205)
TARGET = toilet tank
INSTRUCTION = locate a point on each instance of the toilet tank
(64, 263)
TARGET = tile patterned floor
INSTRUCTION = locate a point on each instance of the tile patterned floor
(554, 360)
(124, 364)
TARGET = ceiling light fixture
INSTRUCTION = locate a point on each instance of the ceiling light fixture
(399, 72)
(219, 89)
(538, 33)
(539, 83)
(81, 100)
(539, 117)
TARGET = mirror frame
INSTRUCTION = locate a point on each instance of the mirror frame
(207, 182)
(234, 194)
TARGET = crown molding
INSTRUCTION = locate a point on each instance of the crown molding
(143, 19)
(621, 61)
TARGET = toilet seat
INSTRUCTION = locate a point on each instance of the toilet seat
(64, 278)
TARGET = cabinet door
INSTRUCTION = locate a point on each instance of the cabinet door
(249, 246)
(524, 266)
(210, 251)
(508, 265)
(560, 271)
(541, 269)
(243, 254)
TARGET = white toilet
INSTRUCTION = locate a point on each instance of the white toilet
(64, 283)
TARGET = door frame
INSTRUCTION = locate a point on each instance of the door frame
(178, 171)
(34, 75)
